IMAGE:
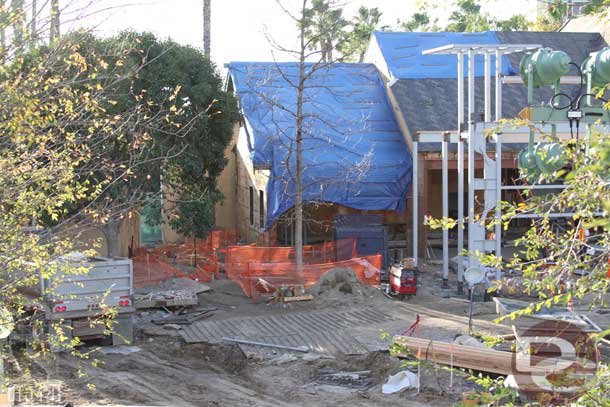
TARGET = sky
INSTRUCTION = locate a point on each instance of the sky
(239, 26)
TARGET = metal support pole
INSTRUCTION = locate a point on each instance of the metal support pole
(589, 89)
(445, 158)
(498, 116)
(498, 85)
(471, 130)
(460, 170)
(487, 87)
(498, 225)
(414, 187)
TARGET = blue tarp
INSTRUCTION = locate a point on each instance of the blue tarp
(353, 151)
(402, 52)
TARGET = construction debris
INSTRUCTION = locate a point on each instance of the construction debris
(470, 357)
(185, 284)
(303, 349)
(306, 297)
(359, 380)
(402, 380)
(169, 298)
(283, 359)
(185, 318)
(119, 350)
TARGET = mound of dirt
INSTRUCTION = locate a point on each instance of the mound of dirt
(380, 364)
(228, 357)
(340, 280)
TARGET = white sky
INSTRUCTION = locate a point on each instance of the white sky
(238, 26)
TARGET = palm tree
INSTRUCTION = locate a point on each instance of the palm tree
(364, 24)
(324, 27)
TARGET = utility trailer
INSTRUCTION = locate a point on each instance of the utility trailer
(77, 300)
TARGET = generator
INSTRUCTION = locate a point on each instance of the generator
(403, 281)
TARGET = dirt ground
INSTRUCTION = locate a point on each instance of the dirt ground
(166, 371)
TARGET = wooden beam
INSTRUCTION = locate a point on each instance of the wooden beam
(470, 357)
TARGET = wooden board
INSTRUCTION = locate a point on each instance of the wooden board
(469, 357)
(160, 299)
(306, 297)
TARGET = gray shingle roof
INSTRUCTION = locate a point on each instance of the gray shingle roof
(431, 104)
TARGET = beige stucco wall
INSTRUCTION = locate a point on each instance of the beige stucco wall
(247, 176)
(86, 238)
(226, 211)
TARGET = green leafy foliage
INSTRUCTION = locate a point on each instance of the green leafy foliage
(52, 106)
(194, 214)
(176, 120)
(325, 28)
(467, 16)
(363, 24)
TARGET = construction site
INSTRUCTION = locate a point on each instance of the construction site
(427, 226)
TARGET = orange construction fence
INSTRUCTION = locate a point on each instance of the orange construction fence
(260, 270)
(153, 265)
(260, 278)
(313, 254)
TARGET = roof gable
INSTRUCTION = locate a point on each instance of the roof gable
(402, 52)
(353, 151)
(430, 103)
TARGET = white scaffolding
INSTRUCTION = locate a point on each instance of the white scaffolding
(491, 182)
(477, 135)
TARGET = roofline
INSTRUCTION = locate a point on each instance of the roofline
(296, 63)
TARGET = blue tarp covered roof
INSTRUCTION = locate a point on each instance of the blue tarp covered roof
(402, 52)
(353, 151)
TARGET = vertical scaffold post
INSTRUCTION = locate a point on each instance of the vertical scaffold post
(487, 87)
(445, 158)
(460, 170)
(415, 215)
(471, 169)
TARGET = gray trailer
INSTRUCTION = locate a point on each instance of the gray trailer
(78, 300)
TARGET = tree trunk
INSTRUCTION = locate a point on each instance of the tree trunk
(207, 33)
(33, 28)
(298, 200)
(194, 251)
(54, 20)
(5, 17)
(18, 16)
(111, 232)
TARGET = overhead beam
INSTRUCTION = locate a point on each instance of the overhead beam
(565, 80)
(481, 48)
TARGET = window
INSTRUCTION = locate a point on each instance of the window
(150, 227)
(251, 206)
(261, 209)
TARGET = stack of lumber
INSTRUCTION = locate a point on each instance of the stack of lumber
(168, 298)
(470, 357)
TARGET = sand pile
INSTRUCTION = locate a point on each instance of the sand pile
(341, 281)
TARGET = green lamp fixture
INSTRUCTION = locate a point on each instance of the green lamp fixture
(545, 67)
(596, 69)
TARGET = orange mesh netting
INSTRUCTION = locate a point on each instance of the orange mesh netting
(264, 269)
(151, 266)
(257, 278)
(314, 254)
(258, 270)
